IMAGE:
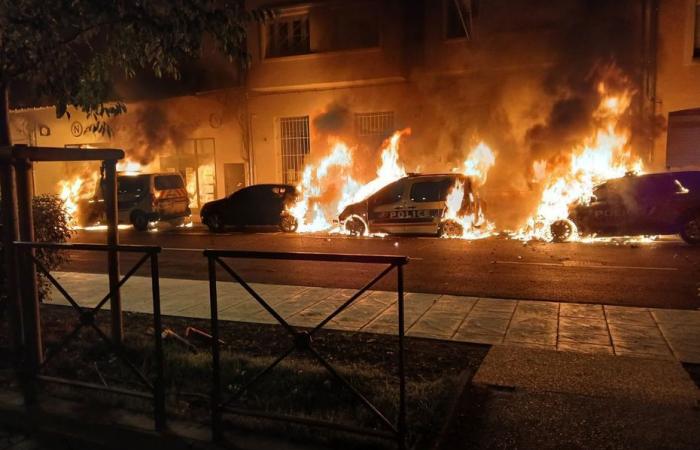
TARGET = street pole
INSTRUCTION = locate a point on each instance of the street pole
(111, 210)
(28, 279)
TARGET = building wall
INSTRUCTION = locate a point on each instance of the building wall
(153, 125)
(678, 75)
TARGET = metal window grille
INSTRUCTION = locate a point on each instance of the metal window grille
(288, 36)
(294, 137)
(374, 123)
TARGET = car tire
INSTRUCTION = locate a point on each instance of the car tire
(690, 231)
(562, 230)
(355, 226)
(450, 228)
(288, 223)
(139, 220)
(215, 223)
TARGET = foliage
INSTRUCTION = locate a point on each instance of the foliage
(50, 225)
(71, 51)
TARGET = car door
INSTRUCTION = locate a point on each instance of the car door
(608, 212)
(236, 210)
(425, 203)
(386, 211)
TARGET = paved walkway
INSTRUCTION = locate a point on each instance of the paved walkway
(642, 332)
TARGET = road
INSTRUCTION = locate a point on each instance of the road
(663, 274)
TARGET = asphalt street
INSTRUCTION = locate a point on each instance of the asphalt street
(662, 274)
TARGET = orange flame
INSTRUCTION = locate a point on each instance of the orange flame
(603, 156)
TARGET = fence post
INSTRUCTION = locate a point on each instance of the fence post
(402, 361)
(159, 386)
(216, 426)
(10, 233)
(28, 279)
(111, 209)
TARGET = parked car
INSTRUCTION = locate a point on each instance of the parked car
(260, 204)
(652, 204)
(414, 204)
(142, 198)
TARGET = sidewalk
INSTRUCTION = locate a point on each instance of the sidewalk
(664, 334)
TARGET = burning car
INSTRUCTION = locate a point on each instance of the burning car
(142, 199)
(261, 204)
(652, 204)
(415, 204)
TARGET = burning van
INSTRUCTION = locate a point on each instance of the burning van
(415, 204)
(142, 198)
(652, 204)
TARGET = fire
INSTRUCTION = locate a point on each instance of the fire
(316, 213)
(129, 166)
(70, 195)
(603, 156)
(73, 192)
(469, 222)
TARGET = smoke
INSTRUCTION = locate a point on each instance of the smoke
(150, 129)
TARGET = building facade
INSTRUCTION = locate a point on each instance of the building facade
(454, 71)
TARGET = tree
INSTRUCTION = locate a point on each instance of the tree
(71, 51)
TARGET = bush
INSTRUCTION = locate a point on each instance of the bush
(50, 225)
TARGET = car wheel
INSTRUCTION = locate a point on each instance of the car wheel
(691, 230)
(450, 228)
(139, 220)
(214, 223)
(355, 226)
(562, 230)
(288, 223)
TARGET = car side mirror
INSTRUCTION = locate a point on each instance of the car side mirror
(680, 189)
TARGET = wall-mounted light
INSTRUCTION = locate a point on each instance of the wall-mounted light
(44, 130)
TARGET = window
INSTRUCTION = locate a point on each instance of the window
(168, 182)
(288, 35)
(134, 185)
(696, 43)
(458, 18)
(390, 194)
(296, 144)
(430, 191)
(373, 124)
(194, 160)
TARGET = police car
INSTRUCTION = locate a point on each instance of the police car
(414, 204)
(651, 204)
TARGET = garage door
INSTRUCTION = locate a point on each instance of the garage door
(683, 146)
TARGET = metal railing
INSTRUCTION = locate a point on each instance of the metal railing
(301, 341)
(87, 318)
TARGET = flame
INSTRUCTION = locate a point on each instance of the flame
(603, 156)
(129, 166)
(74, 190)
(334, 173)
(462, 219)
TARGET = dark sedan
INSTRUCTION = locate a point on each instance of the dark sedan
(257, 205)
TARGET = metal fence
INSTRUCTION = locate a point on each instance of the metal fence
(301, 341)
(87, 318)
